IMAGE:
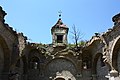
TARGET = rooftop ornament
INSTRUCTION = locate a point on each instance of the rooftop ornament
(60, 14)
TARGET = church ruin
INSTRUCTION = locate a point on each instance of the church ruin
(98, 59)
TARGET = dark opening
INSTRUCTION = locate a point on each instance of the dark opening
(86, 63)
(102, 62)
(60, 79)
(69, 79)
(34, 63)
(59, 38)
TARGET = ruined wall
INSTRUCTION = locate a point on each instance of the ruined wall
(1, 60)
(60, 67)
(51, 62)
(102, 71)
(118, 62)
(9, 47)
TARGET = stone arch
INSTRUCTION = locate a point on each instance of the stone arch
(95, 62)
(60, 67)
(33, 58)
(33, 65)
(33, 52)
(6, 54)
(99, 66)
(86, 60)
(115, 52)
(4, 58)
(38, 54)
(62, 57)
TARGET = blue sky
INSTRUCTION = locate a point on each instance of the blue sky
(36, 17)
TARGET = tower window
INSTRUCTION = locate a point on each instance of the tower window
(59, 38)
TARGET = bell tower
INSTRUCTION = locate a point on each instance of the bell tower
(59, 33)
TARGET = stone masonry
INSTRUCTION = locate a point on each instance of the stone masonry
(98, 59)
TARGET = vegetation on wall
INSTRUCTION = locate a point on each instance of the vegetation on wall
(80, 43)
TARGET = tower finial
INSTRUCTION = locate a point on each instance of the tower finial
(60, 13)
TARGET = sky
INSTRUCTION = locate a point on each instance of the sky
(36, 17)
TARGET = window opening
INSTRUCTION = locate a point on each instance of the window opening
(34, 63)
(59, 38)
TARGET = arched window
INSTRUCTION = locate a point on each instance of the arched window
(86, 63)
(34, 63)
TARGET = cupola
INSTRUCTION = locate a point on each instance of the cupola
(59, 33)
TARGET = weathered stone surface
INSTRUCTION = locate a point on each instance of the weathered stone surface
(98, 59)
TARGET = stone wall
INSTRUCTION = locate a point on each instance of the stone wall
(102, 71)
(60, 67)
(118, 62)
(32, 61)
(1, 61)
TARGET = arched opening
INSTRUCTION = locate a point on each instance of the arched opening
(34, 63)
(86, 61)
(33, 59)
(99, 66)
(95, 60)
(33, 70)
(60, 78)
(61, 67)
(115, 55)
(33, 52)
(4, 58)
